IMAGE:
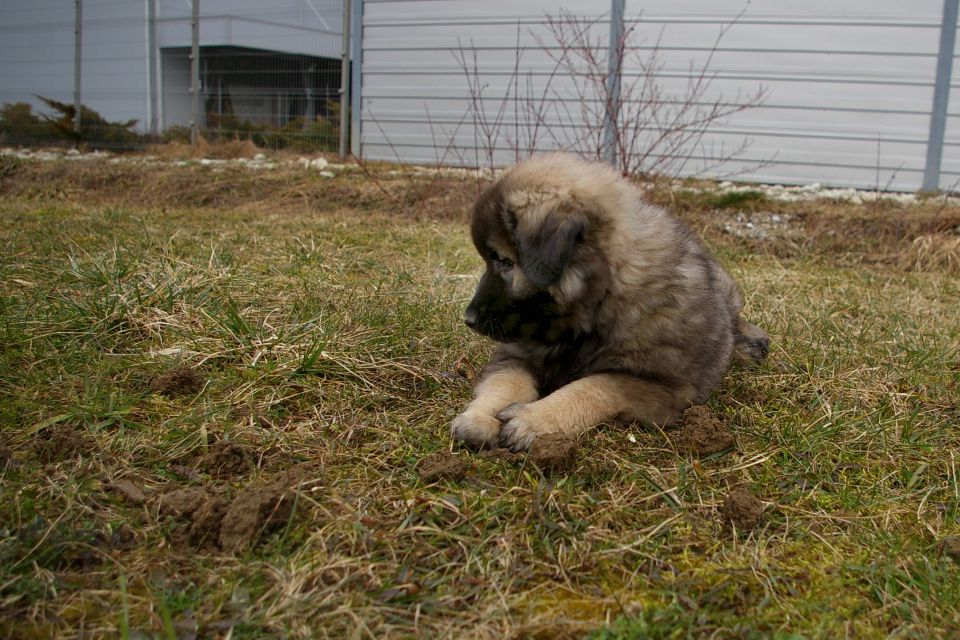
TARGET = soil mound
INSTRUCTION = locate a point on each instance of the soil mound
(702, 433)
(228, 460)
(554, 452)
(201, 511)
(206, 524)
(442, 466)
(61, 442)
(257, 510)
(183, 502)
(741, 509)
(950, 547)
(128, 491)
(213, 523)
(179, 381)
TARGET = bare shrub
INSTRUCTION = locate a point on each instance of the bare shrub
(654, 131)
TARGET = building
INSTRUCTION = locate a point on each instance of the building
(260, 62)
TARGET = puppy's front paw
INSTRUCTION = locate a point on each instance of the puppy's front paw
(521, 425)
(476, 430)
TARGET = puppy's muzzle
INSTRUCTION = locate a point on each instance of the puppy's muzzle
(470, 317)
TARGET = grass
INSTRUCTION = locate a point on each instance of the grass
(325, 326)
(750, 200)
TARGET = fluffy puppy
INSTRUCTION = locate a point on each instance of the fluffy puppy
(604, 307)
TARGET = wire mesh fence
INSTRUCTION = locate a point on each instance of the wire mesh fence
(269, 73)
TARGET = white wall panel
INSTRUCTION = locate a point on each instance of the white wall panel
(36, 55)
(292, 26)
(849, 84)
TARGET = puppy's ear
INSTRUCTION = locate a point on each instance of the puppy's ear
(545, 252)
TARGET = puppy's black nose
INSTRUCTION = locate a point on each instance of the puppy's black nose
(470, 317)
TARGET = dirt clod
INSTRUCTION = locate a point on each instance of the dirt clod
(950, 547)
(128, 491)
(258, 509)
(702, 433)
(61, 442)
(554, 452)
(202, 513)
(228, 460)
(741, 509)
(183, 502)
(213, 523)
(442, 466)
(205, 523)
(187, 472)
(179, 381)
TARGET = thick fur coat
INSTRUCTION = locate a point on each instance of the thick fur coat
(605, 307)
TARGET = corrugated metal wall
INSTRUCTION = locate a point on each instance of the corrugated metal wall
(849, 84)
(37, 46)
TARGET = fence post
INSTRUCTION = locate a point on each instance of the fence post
(614, 60)
(356, 84)
(77, 71)
(345, 81)
(153, 100)
(941, 96)
(195, 73)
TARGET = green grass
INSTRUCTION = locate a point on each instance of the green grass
(331, 337)
(749, 200)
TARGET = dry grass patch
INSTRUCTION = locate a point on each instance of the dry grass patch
(932, 252)
(204, 149)
(332, 356)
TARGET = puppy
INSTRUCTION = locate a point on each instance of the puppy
(604, 307)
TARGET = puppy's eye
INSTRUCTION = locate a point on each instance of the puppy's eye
(499, 261)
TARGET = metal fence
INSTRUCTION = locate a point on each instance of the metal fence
(855, 92)
(123, 74)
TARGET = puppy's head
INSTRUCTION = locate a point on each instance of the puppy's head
(532, 227)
